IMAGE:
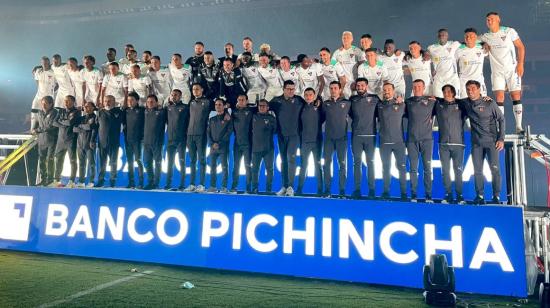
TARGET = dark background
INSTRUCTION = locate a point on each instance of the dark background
(33, 28)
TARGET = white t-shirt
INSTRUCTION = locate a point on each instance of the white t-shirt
(126, 68)
(332, 72)
(93, 80)
(420, 69)
(394, 66)
(63, 79)
(46, 82)
(376, 75)
(271, 76)
(443, 60)
(181, 77)
(348, 58)
(470, 62)
(141, 86)
(253, 78)
(162, 81)
(502, 54)
(114, 85)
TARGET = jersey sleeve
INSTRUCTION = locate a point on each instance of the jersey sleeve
(319, 70)
(513, 34)
(385, 76)
(131, 85)
(124, 82)
(339, 69)
(36, 74)
(147, 80)
(105, 80)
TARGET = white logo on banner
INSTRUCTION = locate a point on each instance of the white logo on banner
(15, 217)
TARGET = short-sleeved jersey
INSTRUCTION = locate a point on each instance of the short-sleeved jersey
(309, 77)
(63, 79)
(420, 69)
(253, 78)
(348, 58)
(162, 81)
(443, 60)
(376, 75)
(502, 54)
(470, 62)
(114, 85)
(394, 66)
(181, 77)
(291, 75)
(140, 85)
(92, 79)
(332, 72)
(46, 82)
(271, 76)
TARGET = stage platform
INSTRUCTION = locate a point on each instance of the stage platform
(371, 241)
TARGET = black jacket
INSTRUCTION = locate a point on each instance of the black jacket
(363, 114)
(242, 120)
(390, 118)
(450, 120)
(288, 114)
(177, 116)
(486, 120)
(336, 117)
(219, 131)
(87, 131)
(154, 126)
(133, 124)
(44, 128)
(199, 109)
(109, 127)
(263, 129)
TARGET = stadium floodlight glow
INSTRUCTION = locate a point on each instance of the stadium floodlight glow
(439, 282)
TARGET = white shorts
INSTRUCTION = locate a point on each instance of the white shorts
(255, 94)
(400, 88)
(270, 93)
(60, 98)
(462, 92)
(502, 81)
(438, 84)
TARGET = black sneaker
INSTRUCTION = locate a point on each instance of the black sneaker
(112, 184)
(385, 195)
(356, 194)
(342, 194)
(168, 187)
(254, 191)
(299, 192)
(428, 199)
(100, 184)
(495, 200)
(413, 198)
(326, 194)
(371, 194)
(404, 197)
(448, 199)
(130, 186)
(479, 200)
(460, 200)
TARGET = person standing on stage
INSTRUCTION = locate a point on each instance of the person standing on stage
(110, 120)
(219, 130)
(242, 121)
(177, 115)
(133, 127)
(264, 126)
(66, 120)
(43, 127)
(153, 140)
(86, 145)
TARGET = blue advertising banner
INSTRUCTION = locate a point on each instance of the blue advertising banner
(310, 185)
(350, 240)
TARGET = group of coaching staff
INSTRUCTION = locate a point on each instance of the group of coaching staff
(298, 117)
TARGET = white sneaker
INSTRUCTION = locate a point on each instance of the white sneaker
(90, 185)
(224, 190)
(290, 191)
(200, 189)
(55, 184)
(212, 190)
(281, 192)
(71, 184)
(190, 188)
(80, 185)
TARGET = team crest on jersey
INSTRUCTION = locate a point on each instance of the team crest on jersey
(253, 70)
(395, 107)
(449, 49)
(478, 54)
(503, 38)
(157, 112)
(266, 121)
(378, 73)
(309, 73)
(481, 108)
(342, 105)
(163, 74)
(425, 102)
(116, 115)
(351, 56)
(395, 60)
(456, 107)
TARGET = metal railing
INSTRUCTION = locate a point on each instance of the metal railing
(17, 146)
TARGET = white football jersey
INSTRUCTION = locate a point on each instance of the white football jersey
(76, 78)
(443, 60)
(126, 68)
(115, 85)
(502, 54)
(181, 77)
(420, 69)
(253, 78)
(470, 62)
(309, 77)
(93, 80)
(141, 86)
(63, 79)
(376, 75)
(394, 66)
(162, 81)
(348, 58)
(291, 75)
(46, 82)
(271, 76)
